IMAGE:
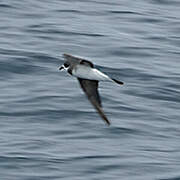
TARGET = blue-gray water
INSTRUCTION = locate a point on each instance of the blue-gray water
(49, 130)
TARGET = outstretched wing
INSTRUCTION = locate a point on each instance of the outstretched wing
(77, 60)
(87, 63)
(90, 87)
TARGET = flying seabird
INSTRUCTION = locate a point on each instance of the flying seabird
(88, 77)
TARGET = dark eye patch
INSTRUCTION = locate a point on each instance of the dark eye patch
(66, 65)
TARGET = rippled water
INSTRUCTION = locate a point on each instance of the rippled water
(49, 130)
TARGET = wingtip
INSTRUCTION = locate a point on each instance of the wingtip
(103, 116)
(108, 123)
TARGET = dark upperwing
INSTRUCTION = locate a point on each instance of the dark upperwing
(77, 60)
(90, 87)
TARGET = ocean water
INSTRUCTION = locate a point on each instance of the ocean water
(49, 130)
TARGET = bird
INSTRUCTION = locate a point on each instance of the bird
(88, 77)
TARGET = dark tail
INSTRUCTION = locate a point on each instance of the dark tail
(118, 82)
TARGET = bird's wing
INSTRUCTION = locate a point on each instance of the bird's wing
(87, 63)
(77, 60)
(71, 59)
(90, 87)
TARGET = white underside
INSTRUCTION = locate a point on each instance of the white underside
(89, 73)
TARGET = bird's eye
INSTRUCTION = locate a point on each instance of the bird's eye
(66, 65)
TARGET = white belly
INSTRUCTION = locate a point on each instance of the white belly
(89, 73)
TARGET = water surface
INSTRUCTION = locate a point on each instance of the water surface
(49, 130)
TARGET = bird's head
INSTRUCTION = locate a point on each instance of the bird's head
(65, 66)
